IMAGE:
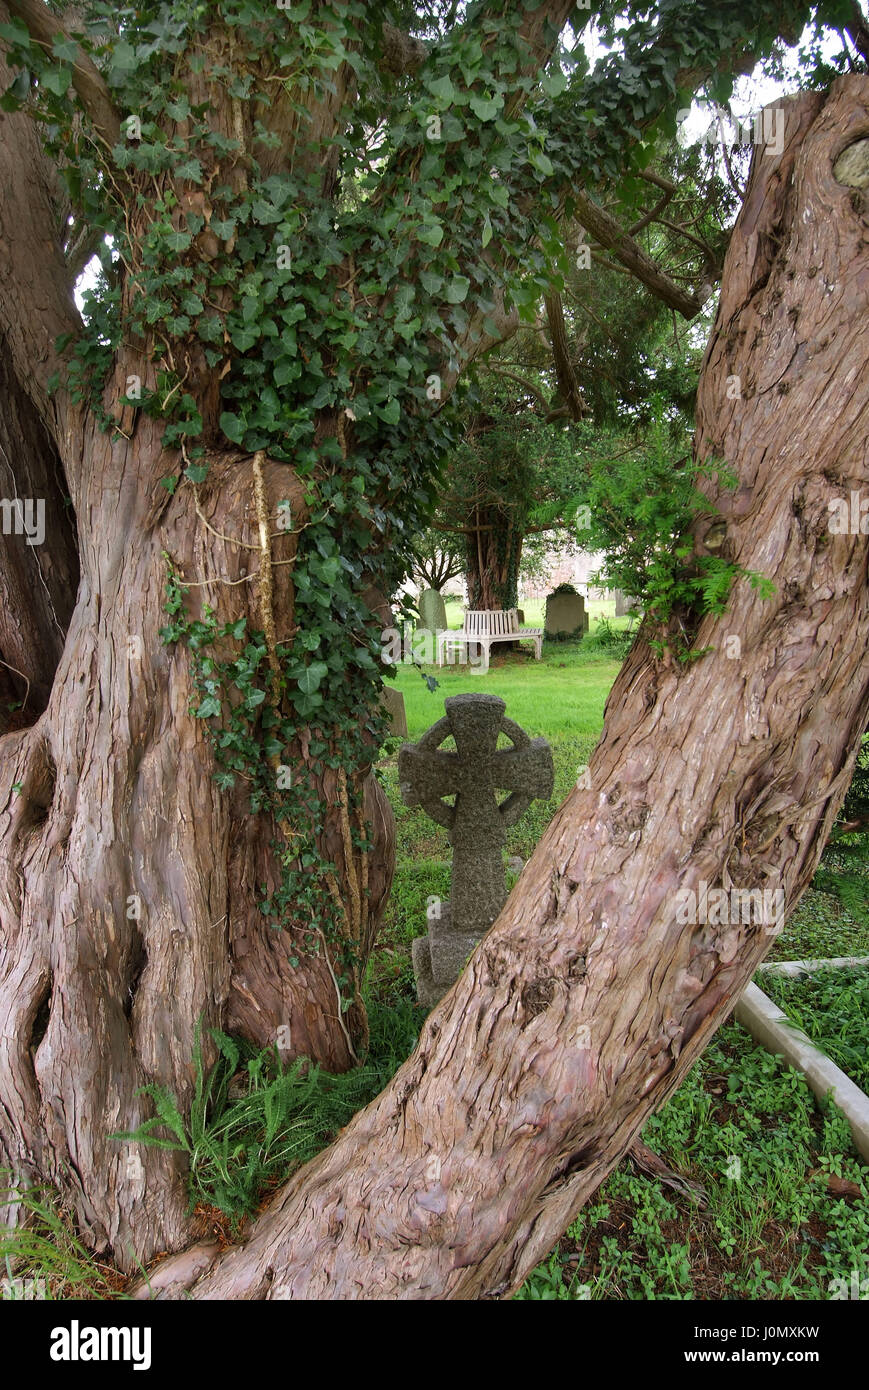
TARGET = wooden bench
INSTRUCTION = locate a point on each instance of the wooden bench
(484, 626)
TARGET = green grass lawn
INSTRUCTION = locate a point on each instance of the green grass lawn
(564, 694)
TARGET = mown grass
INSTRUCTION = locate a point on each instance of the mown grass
(564, 694)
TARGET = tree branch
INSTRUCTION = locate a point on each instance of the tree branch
(858, 30)
(89, 83)
(568, 385)
(520, 381)
(36, 302)
(609, 232)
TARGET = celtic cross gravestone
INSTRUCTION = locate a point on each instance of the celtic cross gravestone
(473, 775)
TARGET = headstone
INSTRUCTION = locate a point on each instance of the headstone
(477, 822)
(393, 704)
(432, 611)
(625, 604)
(565, 613)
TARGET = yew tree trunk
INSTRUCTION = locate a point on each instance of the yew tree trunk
(493, 555)
(129, 882)
(587, 1002)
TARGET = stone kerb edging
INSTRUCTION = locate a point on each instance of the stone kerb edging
(795, 968)
(772, 1028)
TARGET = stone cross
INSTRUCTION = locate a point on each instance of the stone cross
(472, 775)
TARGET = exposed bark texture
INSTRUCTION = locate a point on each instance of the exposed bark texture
(118, 801)
(36, 299)
(584, 1006)
(87, 79)
(37, 582)
(569, 389)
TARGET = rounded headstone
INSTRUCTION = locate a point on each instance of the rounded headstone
(565, 613)
(432, 611)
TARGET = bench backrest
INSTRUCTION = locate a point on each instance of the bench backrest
(485, 622)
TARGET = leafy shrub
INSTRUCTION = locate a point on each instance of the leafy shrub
(253, 1120)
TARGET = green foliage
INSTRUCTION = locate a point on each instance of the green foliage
(616, 642)
(43, 1245)
(637, 508)
(330, 291)
(844, 868)
(253, 1120)
(770, 1228)
(255, 733)
(832, 1008)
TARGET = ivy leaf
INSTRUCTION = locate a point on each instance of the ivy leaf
(64, 48)
(553, 84)
(541, 162)
(189, 168)
(18, 91)
(197, 473)
(232, 427)
(430, 233)
(177, 241)
(312, 676)
(457, 289)
(486, 109)
(442, 88)
(286, 370)
(123, 58)
(16, 34)
(307, 704)
(391, 412)
(57, 80)
(244, 338)
(209, 708)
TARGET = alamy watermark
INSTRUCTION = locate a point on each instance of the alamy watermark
(766, 129)
(719, 907)
(849, 516)
(23, 517)
(420, 645)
